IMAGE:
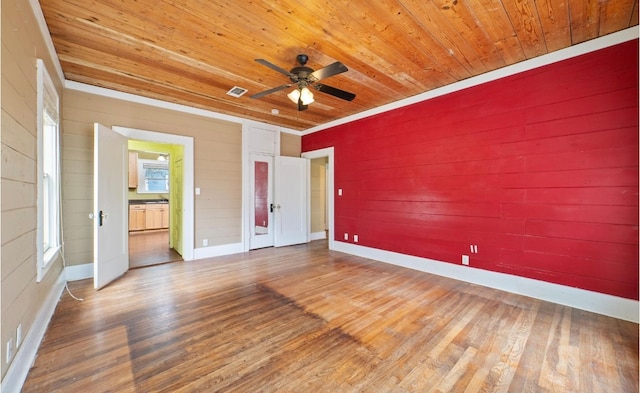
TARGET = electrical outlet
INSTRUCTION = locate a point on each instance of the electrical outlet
(9, 350)
(346, 236)
(355, 238)
(465, 260)
(205, 242)
(18, 336)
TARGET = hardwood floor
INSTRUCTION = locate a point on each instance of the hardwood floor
(305, 319)
(150, 248)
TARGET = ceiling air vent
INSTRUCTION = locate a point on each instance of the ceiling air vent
(236, 91)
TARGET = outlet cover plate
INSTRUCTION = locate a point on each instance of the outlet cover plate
(19, 336)
(9, 350)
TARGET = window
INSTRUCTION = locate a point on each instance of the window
(153, 177)
(48, 181)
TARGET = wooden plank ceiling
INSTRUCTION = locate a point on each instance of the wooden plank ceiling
(192, 52)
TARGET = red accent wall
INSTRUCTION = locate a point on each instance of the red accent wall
(539, 170)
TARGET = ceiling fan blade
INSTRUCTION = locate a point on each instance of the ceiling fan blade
(345, 95)
(264, 93)
(330, 70)
(275, 67)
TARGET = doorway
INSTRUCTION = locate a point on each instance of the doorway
(318, 199)
(180, 198)
(154, 175)
(327, 156)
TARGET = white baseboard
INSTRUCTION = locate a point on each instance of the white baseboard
(600, 303)
(217, 251)
(26, 355)
(317, 235)
(78, 272)
(81, 272)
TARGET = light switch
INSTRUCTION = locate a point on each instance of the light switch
(197, 190)
(339, 191)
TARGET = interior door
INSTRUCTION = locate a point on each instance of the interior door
(261, 219)
(110, 229)
(175, 205)
(291, 201)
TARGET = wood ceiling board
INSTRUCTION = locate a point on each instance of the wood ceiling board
(377, 20)
(141, 41)
(585, 20)
(433, 21)
(463, 20)
(615, 15)
(444, 63)
(526, 22)
(554, 19)
(116, 67)
(193, 52)
(498, 27)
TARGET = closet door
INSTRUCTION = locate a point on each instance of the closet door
(291, 201)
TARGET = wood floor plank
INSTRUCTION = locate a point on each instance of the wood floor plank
(306, 319)
(148, 248)
(456, 372)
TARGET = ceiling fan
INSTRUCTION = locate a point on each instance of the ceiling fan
(304, 77)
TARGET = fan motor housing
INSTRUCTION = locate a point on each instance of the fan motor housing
(301, 72)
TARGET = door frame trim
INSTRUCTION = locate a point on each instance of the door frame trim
(188, 213)
(327, 152)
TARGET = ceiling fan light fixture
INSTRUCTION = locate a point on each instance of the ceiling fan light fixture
(294, 96)
(306, 96)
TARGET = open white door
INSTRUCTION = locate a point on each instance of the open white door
(110, 219)
(291, 201)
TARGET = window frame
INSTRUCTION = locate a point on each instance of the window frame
(142, 179)
(48, 183)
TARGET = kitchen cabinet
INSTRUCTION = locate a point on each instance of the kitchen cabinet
(148, 216)
(157, 216)
(137, 217)
(133, 169)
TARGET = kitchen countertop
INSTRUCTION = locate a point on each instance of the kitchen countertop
(147, 201)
